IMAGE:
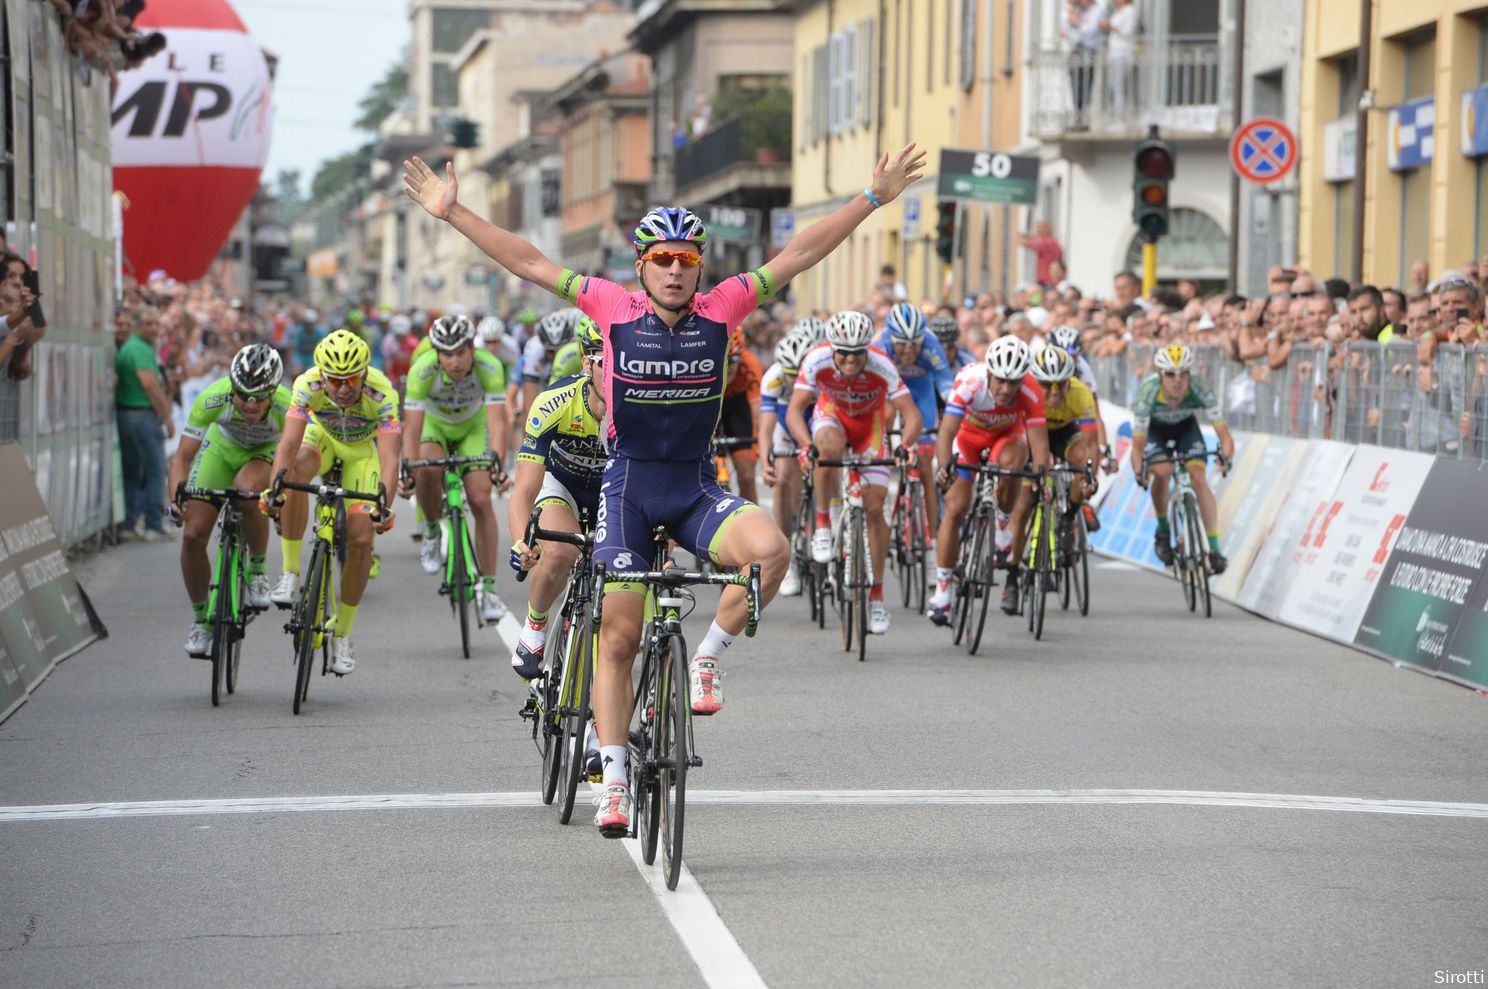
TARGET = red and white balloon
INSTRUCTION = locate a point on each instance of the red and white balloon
(190, 136)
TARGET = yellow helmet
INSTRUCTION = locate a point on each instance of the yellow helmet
(342, 354)
(1174, 357)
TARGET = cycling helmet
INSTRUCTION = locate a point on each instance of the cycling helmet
(1175, 357)
(947, 331)
(1008, 358)
(666, 223)
(490, 329)
(1067, 337)
(906, 323)
(555, 330)
(526, 317)
(792, 350)
(1053, 364)
(400, 325)
(814, 329)
(342, 354)
(451, 333)
(849, 330)
(590, 341)
(256, 368)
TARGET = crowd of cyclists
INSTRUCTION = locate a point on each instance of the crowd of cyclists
(622, 408)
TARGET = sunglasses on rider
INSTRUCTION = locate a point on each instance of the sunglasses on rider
(855, 352)
(689, 259)
(1175, 374)
(253, 396)
(349, 381)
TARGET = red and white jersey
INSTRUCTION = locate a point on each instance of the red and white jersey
(873, 387)
(972, 402)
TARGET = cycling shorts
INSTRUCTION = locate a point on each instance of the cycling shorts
(1060, 437)
(784, 443)
(971, 441)
(218, 461)
(461, 439)
(736, 420)
(1182, 441)
(554, 491)
(865, 437)
(360, 468)
(636, 496)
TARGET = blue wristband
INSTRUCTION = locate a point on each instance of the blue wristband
(872, 198)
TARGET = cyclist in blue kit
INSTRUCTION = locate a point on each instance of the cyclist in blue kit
(927, 374)
(665, 353)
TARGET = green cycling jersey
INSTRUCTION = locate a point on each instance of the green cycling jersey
(432, 391)
(1152, 406)
(215, 407)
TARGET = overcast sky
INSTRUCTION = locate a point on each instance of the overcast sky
(330, 53)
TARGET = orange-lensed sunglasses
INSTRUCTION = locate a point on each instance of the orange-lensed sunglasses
(349, 381)
(689, 259)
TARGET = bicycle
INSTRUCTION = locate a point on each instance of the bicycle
(852, 569)
(1073, 557)
(911, 537)
(313, 613)
(558, 705)
(660, 737)
(813, 575)
(976, 569)
(1048, 564)
(228, 616)
(462, 574)
(1186, 523)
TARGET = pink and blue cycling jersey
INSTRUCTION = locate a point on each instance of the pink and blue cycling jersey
(664, 386)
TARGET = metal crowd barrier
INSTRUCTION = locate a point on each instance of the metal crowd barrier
(1361, 392)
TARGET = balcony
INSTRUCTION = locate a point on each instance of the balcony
(750, 149)
(1179, 86)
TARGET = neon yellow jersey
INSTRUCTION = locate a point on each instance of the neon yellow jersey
(375, 412)
(1078, 406)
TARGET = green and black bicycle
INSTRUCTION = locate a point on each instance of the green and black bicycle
(228, 612)
(462, 574)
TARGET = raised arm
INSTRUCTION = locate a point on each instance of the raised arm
(890, 176)
(440, 199)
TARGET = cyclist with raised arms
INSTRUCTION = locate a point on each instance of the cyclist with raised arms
(855, 388)
(1165, 428)
(664, 352)
(228, 442)
(559, 469)
(775, 395)
(927, 374)
(455, 406)
(996, 406)
(344, 409)
(945, 329)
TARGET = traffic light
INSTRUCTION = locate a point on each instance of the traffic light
(463, 133)
(1153, 171)
(945, 232)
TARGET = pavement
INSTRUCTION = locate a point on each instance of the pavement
(1144, 798)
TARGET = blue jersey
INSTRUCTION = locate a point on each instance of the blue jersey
(963, 357)
(928, 378)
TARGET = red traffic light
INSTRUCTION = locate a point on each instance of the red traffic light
(1155, 162)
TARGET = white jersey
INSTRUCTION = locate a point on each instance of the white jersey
(1084, 373)
(775, 389)
(537, 363)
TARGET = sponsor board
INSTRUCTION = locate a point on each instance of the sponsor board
(1428, 579)
(1338, 559)
(1258, 481)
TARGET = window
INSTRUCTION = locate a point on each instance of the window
(1415, 185)
(866, 74)
(950, 30)
(1343, 229)
(834, 83)
(452, 28)
(444, 85)
(819, 94)
(848, 92)
(968, 43)
(1480, 187)
(1349, 85)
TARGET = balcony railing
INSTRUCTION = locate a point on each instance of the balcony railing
(753, 137)
(1177, 86)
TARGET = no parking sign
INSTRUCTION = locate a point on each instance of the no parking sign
(1263, 150)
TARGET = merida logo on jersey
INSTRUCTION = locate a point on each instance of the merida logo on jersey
(667, 369)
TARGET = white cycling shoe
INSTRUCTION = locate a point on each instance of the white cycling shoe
(429, 556)
(878, 618)
(821, 545)
(493, 609)
(284, 592)
(790, 584)
(199, 641)
(258, 591)
(343, 659)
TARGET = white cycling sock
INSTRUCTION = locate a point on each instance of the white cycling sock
(715, 642)
(533, 638)
(612, 757)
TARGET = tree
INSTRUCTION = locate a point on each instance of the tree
(289, 196)
(383, 98)
(339, 173)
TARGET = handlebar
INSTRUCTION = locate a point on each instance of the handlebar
(330, 492)
(676, 577)
(491, 459)
(732, 442)
(213, 495)
(1217, 455)
(858, 462)
(536, 532)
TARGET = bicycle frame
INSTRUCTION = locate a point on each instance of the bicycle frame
(228, 618)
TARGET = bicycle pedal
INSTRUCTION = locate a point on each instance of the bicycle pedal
(695, 761)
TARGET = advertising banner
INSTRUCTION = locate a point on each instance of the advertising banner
(1262, 472)
(1466, 655)
(44, 615)
(1430, 573)
(1341, 553)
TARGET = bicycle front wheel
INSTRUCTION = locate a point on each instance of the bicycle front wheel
(981, 585)
(575, 701)
(308, 614)
(919, 550)
(460, 587)
(672, 758)
(643, 756)
(899, 548)
(1043, 571)
(1080, 566)
(842, 578)
(1199, 541)
(862, 579)
(551, 715)
(1178, 527)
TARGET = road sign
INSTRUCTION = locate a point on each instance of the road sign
(782, 226)
(1263, 150)
(988, 177)
(733, 224)
(911, 217)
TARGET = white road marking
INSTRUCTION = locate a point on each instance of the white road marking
(1115, 565)
(697, 923)
(749, 798)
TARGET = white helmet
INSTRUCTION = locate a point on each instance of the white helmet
(400, 325)
(1174, 357)
(792, 350)
(849, 330)
(1008, 358)
(815, 329)
(490, 329)
(556, 329)
(1067, 337)
(1053, 365)
(451, 332)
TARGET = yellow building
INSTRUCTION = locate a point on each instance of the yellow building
(1423, 164)
(865, 83)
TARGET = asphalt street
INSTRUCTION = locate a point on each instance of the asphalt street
(1042, 814)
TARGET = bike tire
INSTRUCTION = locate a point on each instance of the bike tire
(576, 723)
(308, 615)
(220, 647)
(986, 570)
(898, 549)
(239, 628)
(1081, 569)
(964, 597)
(672, 759)
(1065, 570)
(919, 565)
(861, 582)
(841, 576)
(1179, 535)
(819, 580)
(1043, 569)
(551, 726)
(461, 591)
(642, 766)
(1200, 541)
(340, 533)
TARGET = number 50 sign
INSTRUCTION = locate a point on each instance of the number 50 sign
(988, 177)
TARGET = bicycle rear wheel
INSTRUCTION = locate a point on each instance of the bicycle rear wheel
(308, 614)
(672, 758)
(575, 701)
